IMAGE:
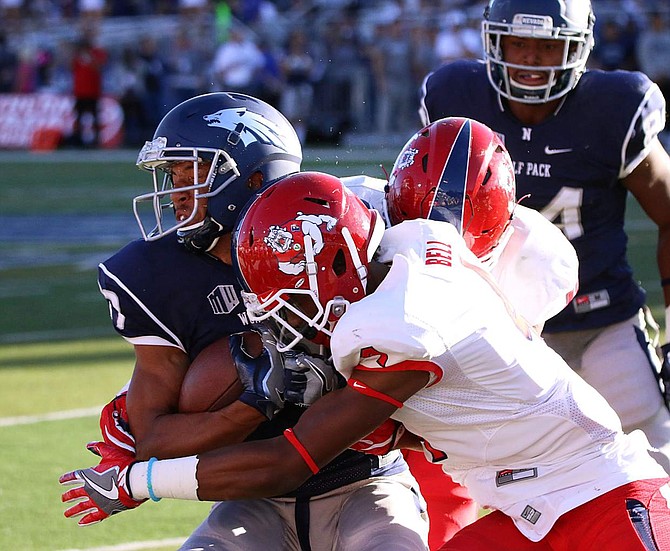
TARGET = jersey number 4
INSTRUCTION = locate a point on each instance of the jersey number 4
(564, 211)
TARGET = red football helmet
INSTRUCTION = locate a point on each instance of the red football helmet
(455, 170)
(302, 250)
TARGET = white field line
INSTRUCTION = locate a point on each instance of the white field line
(74, 414)
(136, 545)
(53, 416)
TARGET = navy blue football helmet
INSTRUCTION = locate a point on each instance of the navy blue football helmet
(235, 135)
(570, 21)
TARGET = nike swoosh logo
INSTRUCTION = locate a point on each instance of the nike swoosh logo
(111, 493)
(356, 384)
(549, 151)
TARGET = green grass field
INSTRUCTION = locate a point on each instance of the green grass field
(58, 352)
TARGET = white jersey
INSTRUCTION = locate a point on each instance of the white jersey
(503, 413)
(371, 191)
(535, 265)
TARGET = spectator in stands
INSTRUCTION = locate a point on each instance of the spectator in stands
(26, 71)
(9, 62)
(614, 49)
(424, 58)
(10, 12)
(256, 14)
(342, 92)
(297, 67)
(87, 66)
(236, 62)
(269, 81)
(184, 64)
(392, 70)
(653, 52)
(457, 39)
(154, 74)
(129, 83)
(193, 9)
(55, 75)
(91, 11)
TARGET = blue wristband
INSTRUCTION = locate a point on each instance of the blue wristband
(150, 487)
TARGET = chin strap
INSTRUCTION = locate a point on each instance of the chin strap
(202, 238)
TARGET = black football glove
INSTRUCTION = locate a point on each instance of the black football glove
(262, 377)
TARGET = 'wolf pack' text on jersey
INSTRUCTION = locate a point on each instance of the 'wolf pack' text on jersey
(568, 168)
(161, 294)
(503, 413)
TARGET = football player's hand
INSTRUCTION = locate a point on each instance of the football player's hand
(262, 377)
(99, 491)
(381, 440)
(114, 424)
(307, 378)
(665, 372)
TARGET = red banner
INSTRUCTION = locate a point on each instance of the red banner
(27, 120)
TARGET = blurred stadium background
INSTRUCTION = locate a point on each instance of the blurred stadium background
(65, 201)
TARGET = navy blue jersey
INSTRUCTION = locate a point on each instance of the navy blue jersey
(570, 167)
(161, 294)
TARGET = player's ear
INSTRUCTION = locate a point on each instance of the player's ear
(255, 181)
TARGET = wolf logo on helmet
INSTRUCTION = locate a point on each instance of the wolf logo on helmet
(233, 135)
(247, 126)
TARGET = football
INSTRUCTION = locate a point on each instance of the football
(211, 381)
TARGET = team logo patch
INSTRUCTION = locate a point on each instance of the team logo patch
(287, 241)
(407, 158)
(223, 299)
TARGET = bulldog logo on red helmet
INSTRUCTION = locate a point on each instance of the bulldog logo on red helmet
(287, 241)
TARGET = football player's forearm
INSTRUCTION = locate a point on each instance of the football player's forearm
(250, 470)
(179, 435)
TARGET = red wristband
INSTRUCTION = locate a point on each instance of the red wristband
(293, 439)
(365, 389)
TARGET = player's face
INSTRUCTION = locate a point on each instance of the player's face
(306, 305)
(303, 303)
(532, 52)
(183, 176)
